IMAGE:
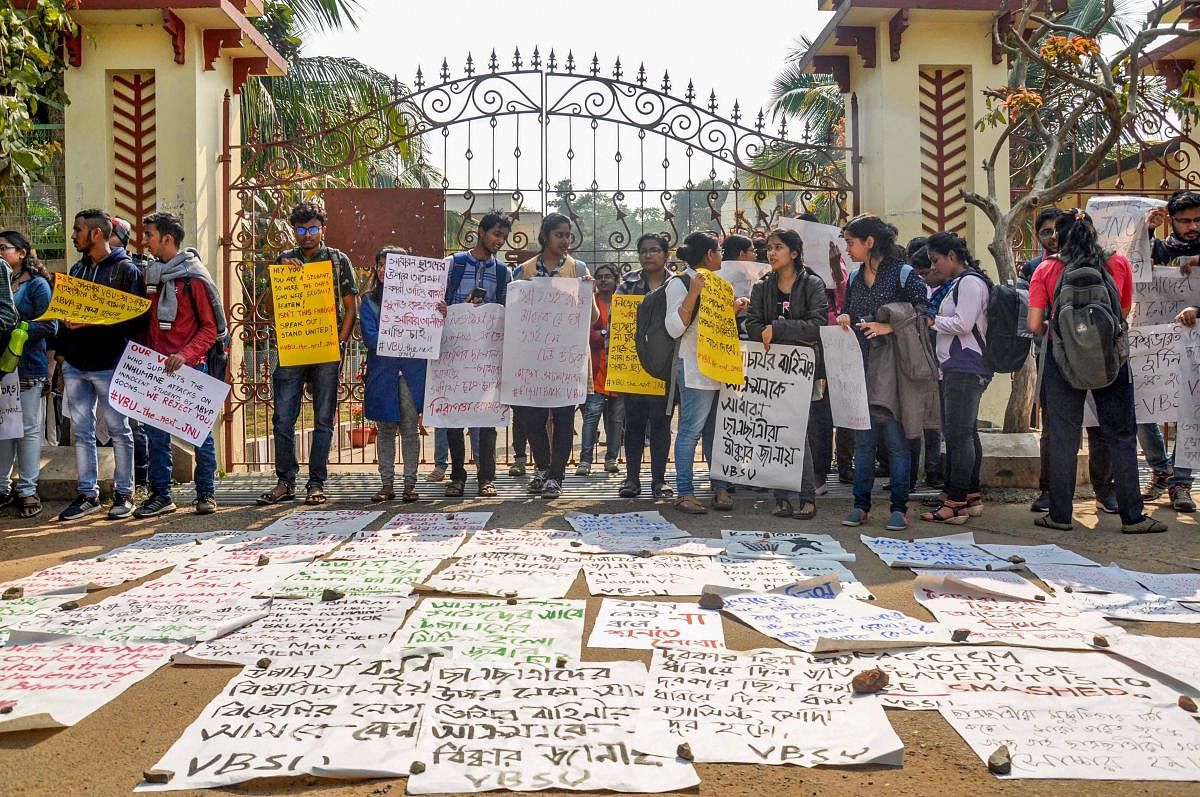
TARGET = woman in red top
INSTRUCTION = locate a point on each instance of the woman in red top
(599, 402)
(1063, 402)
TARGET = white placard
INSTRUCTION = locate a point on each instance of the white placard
(1143, 606)
(462, 386)
(762, 425)
(644, 625)
(12, 424)
(846, 379)
(1175, 657)
(1176, 586)
(340, 521)
(1187, 444)
(354, 577)
(817, 237)
(1038, 554)
(742, 274)
(506, 574)
(77, 577)
(937, 553)
(247, 548)
(487, 630)
(583, 742)
(766, 575)
(783, 545)
(1120, 223)
(547, 360)
(421, 521)
(358, 626)
(527, 541)
(1161, 299)
(629, 575)
(337, 717)
(1068, 578)
(15, 610)
(410, 324)
(184, 403)
(428, 543)
(1003, 583)
(124, 619)
(1113, 739)
(1154, 368)
(203, 585)
(762, 707)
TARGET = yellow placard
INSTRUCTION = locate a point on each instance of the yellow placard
(306, 327)
(82, 301)
(717, 350)
(625, 371)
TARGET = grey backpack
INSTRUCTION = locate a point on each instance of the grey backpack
(1087, 327)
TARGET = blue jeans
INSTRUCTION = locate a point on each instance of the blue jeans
(288, 385)
(612, 410)
(87, 394)
(697, 424)
(27, 449)
(892, 434)
(1154, 448)
(162, 460)
(961, 393)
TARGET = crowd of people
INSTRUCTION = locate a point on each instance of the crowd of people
(920, 314)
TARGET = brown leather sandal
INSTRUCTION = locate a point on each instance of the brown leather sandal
(688, 505)
(410, 494)
(385, 494)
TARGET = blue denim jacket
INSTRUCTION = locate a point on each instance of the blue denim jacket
(32, 298)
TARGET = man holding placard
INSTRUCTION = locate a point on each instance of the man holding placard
(90, 352)
(320, 371)
(182, 326)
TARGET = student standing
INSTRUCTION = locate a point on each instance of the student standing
(600, 403)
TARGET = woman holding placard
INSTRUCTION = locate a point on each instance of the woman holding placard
(789, 306)
(697, 392)
(394, 389)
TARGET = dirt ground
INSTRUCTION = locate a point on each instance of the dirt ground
(107, 752)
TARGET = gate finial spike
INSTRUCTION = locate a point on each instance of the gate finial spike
(712, 101)
(759, 124)
(595, 70)
(445, 73)
(552, 62)
(536, 61)
(420, 82)
(617, 71)
(666, 83)
(737, 112)
(517, 62)
(690, 94)
(470, 67)
(641, 78)
(783, 127)
(493, 64)
(570, 62)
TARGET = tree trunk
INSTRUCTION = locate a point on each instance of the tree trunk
(1020, 400)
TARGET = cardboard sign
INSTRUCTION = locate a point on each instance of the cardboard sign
(12, 423)
(717, 352)
(306, 328)
(410, 325)
(547, 360)
(625, 371)
(82, 301)
(185, 403)
(1120, 223)
(462, 386)
(846, 379)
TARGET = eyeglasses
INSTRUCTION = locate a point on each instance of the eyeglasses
(315, 229)
(6, 247)
(655, 251)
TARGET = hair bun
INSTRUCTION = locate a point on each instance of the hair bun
(681, 251)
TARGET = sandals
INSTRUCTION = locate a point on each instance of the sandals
(688, 505)
(722, 500)
(1046, 523)
(487, 490)
(315, 497)
(30, 507)
(410, 494)
(953, 513)
(385, 494)
(974, 504)
(783, 508)
(806, 514)
(454, 490)
(274, 496)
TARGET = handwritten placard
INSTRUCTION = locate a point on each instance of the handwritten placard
(508, 574)
(185, 403)
(1154, 367)
(1161, 299)
(462, 386)
(846, 378)
(410, 324)
(625, 575)
(1120, 223)
(762, 423)
(943, 553)
(546, 354)
(306, 327)
(82, 301)
(625, 371)
(643, 625)
(12, 424)
(1187, 444)
(783, 545)
(742, 274)
(717, 352)
(817, 237)
(490, 630)
(353, 577)
(769, 575)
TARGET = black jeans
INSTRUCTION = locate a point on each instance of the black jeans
(820, 436)
(642, 412)
(141, 454)
(485, 455)
(961, 393)
(551, 458)
(1099, 461)
(843, 443)
(1118, 434)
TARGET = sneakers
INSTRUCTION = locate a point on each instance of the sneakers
(610, 466)
(551, 489)
(436, 475)
(661, 490)
(1156, 486)
(1107, 504)
(630, 489)
(537, 483)
(1041, 503)
(122, 506)
(897, 522)
(1181, 498)
(205, 504)
(1147, 525)
(584, 469)
(857, 517)
(156, 504)
(517, 469)
(82, 505)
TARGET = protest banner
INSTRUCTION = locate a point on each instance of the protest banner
(410, 324)
(526, 541)
(122, 618)
(507, 574)
(1110, 739)
(1187, 442)
(343, 521)
(354, 577)
(742, 274)
(1174, 657)
(462, 386)
(306, 328)
(1154, 368)
(946, 553)
(644, 625)
(767, 575)
(1120, 223)
(56, 683)
(846, 380)
(1037, 554)
(82, 301)
(436, 521)
(1001, 583)
(783, 545)
(762, 423)
(82, 575)
(761, 707)
(368, 710)
(279, 547)
(184, 403)
(490, 630)
(1176, 586)
(200, 584)
(629, 574)
(717, 353)
(625, 371)
(547, 359)
(430, 543)
(12, 424)
(817, 237)
(1161, 299)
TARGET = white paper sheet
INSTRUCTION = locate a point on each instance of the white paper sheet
(525, 541)
(1144, 606)
(356, 577)
(13, 612)
(1039, 554)
(765, 575)
(198, 585)
(79, 576)
(644, 625)
(281, 546)
(996, 582)
(846, 378)
(783, 545)
(546, 354)
(124, 619)
(437, 521)
(936, 553)
(1064, 578)
(410, 324)
(462, 387)
(1175, 657)
(341, 521)
(426, 543)
(487, 630)
(1176, 586)
(630, 575)
(12, 423)
(184, 403)
(507, 574)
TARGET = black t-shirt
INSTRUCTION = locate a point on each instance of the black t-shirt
(783, 303)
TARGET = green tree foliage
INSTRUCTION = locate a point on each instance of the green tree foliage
(606, 228)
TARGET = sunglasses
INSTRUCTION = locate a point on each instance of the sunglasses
(312, 230)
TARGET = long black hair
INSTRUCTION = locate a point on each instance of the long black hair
(868, 225)
(30, 262)
(946, 242)
(695, 247)
(733, 246)
(792, 240)
(1078, 243)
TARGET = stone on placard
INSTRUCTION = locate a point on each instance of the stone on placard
(1000, 762)
(868, 682)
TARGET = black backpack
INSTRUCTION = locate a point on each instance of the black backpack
(1087, 327)
(656, 349)
(217, 359)
(1008, 339)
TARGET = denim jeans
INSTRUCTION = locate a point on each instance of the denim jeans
(161, 461)
(288, 385)
(26, 450)
(1154, 448)
(697, 424)
(551, 458)
(644, 413)
(483, 446)
(141, 453)
(87, 394)
(961, 393)
(1099, 461)
(1118, 431)
(612, 410)
(892, 434)
(441, 449)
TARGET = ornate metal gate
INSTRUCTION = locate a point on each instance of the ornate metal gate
(619, 154)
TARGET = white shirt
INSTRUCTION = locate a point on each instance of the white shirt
(676, 293)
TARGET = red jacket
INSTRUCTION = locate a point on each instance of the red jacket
(190, 336)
